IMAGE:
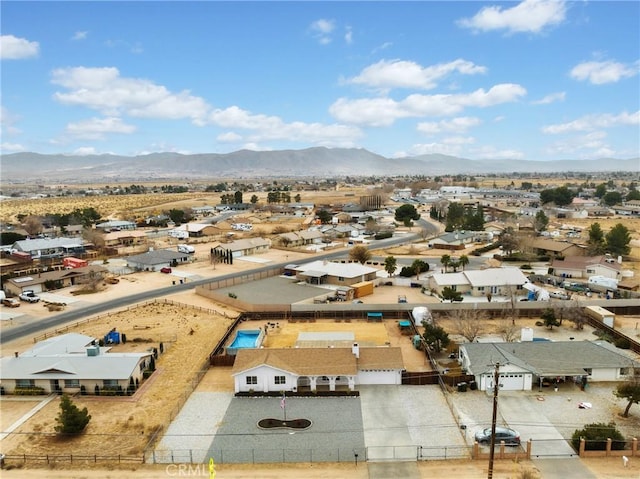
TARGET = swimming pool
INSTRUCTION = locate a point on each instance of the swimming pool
(247, 338)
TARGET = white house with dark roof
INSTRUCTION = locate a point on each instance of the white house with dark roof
(69, 362)
(494, 281)
(246, 246)
(157, 259)
(526, 364)
(50, 247)
(292, 369)
(340, 274)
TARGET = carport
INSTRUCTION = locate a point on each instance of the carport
(560, 374)
(314, 277)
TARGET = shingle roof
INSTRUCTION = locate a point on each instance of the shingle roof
(319, 361)
(157, 257)
(546, 358)
(346, 270)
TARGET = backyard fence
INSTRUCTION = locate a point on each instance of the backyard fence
(52, 459)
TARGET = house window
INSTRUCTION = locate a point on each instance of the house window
(340, 278)
(252, 380)
(588, 371)
(624, 371)
(480, 288)
(25, 383)
(110, 383)
(280, 380)
(71, 383)
(591, 270)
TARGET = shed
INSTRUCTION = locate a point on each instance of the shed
(364, 288)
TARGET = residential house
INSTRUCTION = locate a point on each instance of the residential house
(526, 364)
(72, 363)
(197, 230)
(202, 211)
(50, 280)
(157, 259)
(338, 274)
(495, 281)
(455, 240)
(124, 238)
(246, 247)
(116, 225)
(294, 369)
(557, 248)
(44, 248)
(300, 238)
(586, 266)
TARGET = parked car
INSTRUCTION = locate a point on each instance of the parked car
(510, 437)
(559, 295)
(165, 270)
(29, 296)
(10, 302)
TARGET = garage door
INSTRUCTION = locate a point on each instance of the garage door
(508, 382)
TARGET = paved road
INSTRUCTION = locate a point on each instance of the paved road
(77, 314)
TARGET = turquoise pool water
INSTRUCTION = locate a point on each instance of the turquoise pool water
(245, 339)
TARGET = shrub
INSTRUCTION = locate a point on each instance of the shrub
(596, 435)
(71, 419)
(406, 272)
(383, 235)
(30, 391)
(622, 343)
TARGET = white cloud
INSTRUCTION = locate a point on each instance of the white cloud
(14, 48)
(322, 29)
(593, 122)
(96, 128)
(348, 36)
(385, 111)
(531, 16)
(229, 137)
(104, 90)
(11, 147)
(458, 125)
(407, 74)
(268, 128)
(7, 122)
(84, 151)
(432, 148)
(599, 73)
(590, 145)
(551, 98)
(79, 36)
(491, 153)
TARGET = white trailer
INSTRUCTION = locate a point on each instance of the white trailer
(601, 314)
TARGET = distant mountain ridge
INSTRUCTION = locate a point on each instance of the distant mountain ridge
(310, 162)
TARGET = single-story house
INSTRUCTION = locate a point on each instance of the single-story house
(495, 281)
(291, 369)
(526, 364)
(586, 266)
(157, 259)
(558, 248)
(124, 238)
(339, 274)
(116, 225)
(198, 230)
(246, 247)
(300, 238)
(69, 362)
(59, 279)
(454, 240)
(205, 210)
(50, 247)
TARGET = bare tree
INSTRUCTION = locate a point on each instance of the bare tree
(508, 330)
(467, 322)
(32, 225)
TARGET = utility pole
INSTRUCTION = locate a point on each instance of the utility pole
(496, 386)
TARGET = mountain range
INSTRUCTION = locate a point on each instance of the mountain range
(307, 163)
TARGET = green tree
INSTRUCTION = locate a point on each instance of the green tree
(445, 260)
(450, 294)
(541, 221)
(360, 254)
(177, 216)
(629, 390)
(237, 197)
(390, 265)
(612, 198)
(324, 216)
(509, 240)
(435, 336)
(297, 198)
(71, 419)
(464, 261)
(419, 266)
(549, 318)
(406, 213)
(601, 190)
(455, 217)
(596, 244)
(596, 435)
(254, 199)
(633, 195)
(618, 239)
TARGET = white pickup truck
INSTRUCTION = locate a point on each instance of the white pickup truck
(29, 296)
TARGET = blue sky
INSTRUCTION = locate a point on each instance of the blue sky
(531, 80)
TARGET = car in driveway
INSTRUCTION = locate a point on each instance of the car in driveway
(559, 295)
(29, 296)
(511, 437)
(165, 270)
(11, 302)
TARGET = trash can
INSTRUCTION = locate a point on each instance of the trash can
(473, 385)
(462, 387)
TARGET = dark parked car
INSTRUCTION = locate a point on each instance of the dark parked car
(165, 270)
(509, 436)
